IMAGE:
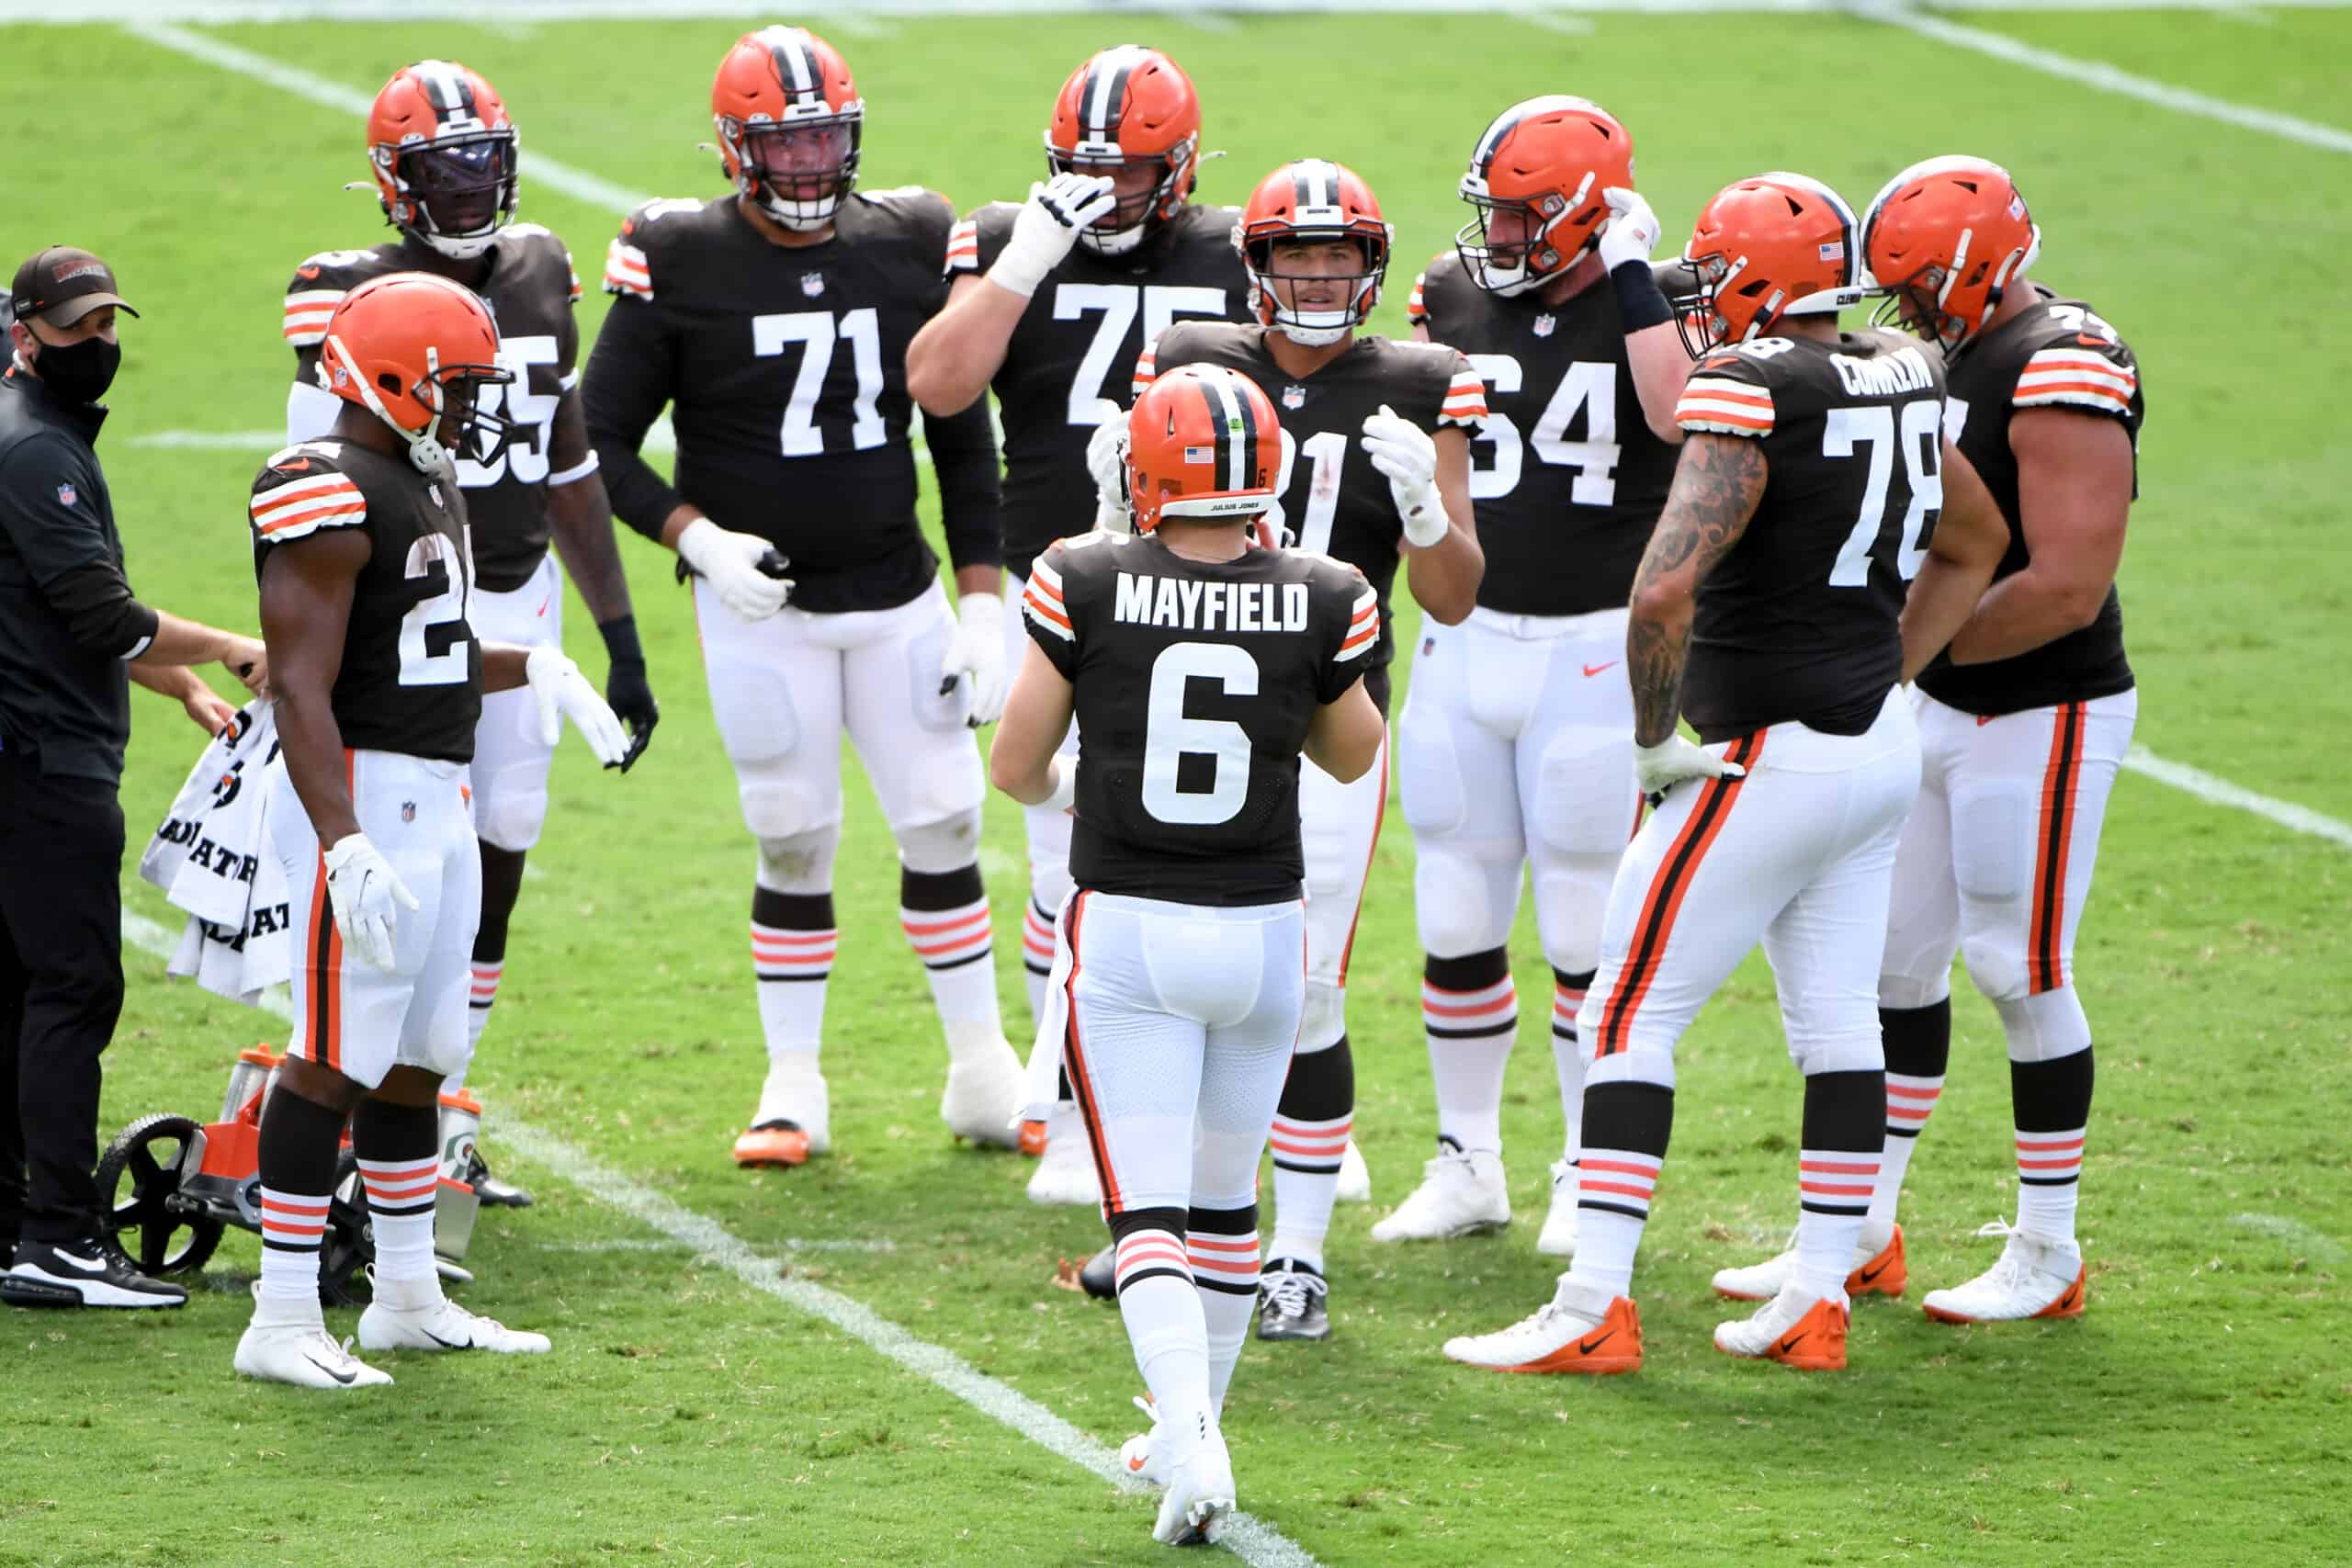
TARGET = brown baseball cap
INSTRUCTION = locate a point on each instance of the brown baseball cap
(62, 285)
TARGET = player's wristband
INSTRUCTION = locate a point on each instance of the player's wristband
(1640, 302)
(1065, 795)
(621, 646)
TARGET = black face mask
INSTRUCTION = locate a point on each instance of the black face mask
(78, 372)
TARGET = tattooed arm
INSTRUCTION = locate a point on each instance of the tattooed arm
(1717, 483)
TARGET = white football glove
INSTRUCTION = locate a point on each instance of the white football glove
(1403, 452)
(731, 563)
(1106, 460)
(1631, 231)
(976, 651)
(368, 897)
(1659, 768)
(561, 692)
(1049, 224)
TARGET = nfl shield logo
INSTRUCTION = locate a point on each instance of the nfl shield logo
(66, 495)
(812, 284)
(1545, 323)
(408, 811)
(1294, 396)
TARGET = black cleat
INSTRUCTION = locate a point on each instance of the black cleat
(1101, 1275)
(1289, 1302)
(489, 1190)
(81, 1274)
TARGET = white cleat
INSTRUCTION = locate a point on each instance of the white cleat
(1064, 1172)
(1878, 1270)
(1355, 1177)
(303, 1353)
(1460, 1194)
(986, 1090)
(1199, 1499)
(1144, 1455)
(795, 1117)
(441, 1324)
(1559, 1237)
(2035, 1277)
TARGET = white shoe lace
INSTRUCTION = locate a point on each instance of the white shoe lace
(2007, 1273)
(1290, 1292)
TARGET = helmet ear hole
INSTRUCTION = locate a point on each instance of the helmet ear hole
(388, 382)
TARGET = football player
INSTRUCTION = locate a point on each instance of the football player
(1198, 669)
(359, 544)
(1769, 610)
(1377, 467)
(443, 149)
(774, 321)
(2023, 723)
(1049, 303)
(1516, 744)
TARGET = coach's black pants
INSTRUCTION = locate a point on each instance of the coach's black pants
(61, 991)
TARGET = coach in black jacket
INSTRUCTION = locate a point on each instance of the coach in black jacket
(72, 639)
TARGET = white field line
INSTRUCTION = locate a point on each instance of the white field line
(866, 17)
(2109, 79)
(2319, 1247)
(1248, 1538)
(536, 167)
(2217, 790)
(664, 1244)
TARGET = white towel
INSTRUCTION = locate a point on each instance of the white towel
(213, 857)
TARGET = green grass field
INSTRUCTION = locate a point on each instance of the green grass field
(2198, 1414)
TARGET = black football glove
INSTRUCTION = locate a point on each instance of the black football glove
(626, 689)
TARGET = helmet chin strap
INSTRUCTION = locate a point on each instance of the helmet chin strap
(425, 453)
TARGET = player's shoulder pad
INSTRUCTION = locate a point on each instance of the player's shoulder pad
(977, 236)
(1438, 382)
(2074, 359)
(1730, 391)
(317, 287)
(1443, 271)
(629, 259)
(927, 215)
(302, 490)
(1059, 571)
(539, 240)
(1178, 343)
(1352, 597)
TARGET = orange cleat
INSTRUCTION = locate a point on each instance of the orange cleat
(1565, 1337)
(772, 1146)
(1808, 1335)
(1886, 1275)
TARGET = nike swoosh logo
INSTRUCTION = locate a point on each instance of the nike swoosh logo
(1982, 719)
(345, 1377)
(1869, 1274)
(1592, 669)
(447, 1344)
(307, 271)
(87, 1265)
(1792, 1341)
(299, 466)
(1587, 1346)
(1136, 1463)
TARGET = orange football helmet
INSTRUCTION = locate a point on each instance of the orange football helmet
(1129, 106)
(1946, 237)
(412, 349)
(444, 156)
(1202, 442)
(1312, 200)
(1778, 244)
(789, 124)
(1543, 163)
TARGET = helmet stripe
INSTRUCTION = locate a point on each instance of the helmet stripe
(1106, 93)
(1233, 426)
(795, 63)
(1482, 160)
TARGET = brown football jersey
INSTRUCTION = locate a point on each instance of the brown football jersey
(531, 292)
(411, 678)
(1195, 684)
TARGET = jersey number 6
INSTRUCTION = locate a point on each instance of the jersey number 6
(1170, 734)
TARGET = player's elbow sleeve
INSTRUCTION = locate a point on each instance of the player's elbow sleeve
(116, 628)
(310, 412)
